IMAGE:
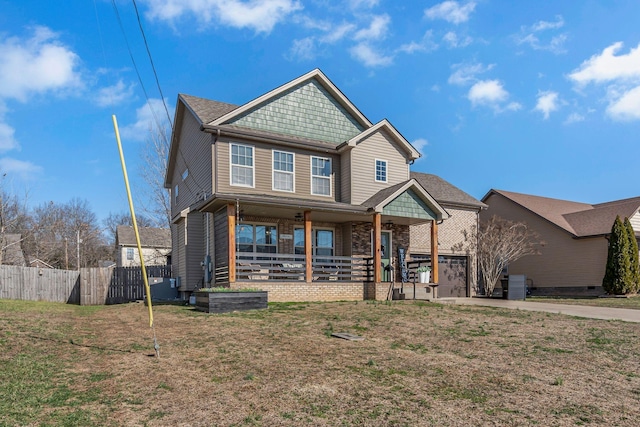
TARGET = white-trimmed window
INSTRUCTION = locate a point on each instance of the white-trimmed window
(175, 194)
(283, 173)
(129, 254)
(321, 176)
(258, 238)
(242, 170)
(321, 241)
(381, 170)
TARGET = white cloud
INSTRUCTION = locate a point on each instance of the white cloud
(608, 67)
(114, 95)
(259, 15)
(146, 119)
(303, 49)
(574, 118)
(547, 25)
(36, 65)
(360, 4)
(24, 170)
(454, 41)
(547, 103)
(377, 29)
(492, 94)
(451, 11)
(364, 53)
(337, 33)
(466, 73)
(531, 36)
(419, 144)
(425, 45)
(626, 107)
(7, 140)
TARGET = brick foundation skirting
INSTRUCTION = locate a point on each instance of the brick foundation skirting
(318, 291)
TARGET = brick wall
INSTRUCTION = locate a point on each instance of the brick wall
(449, 234)
(303, 291)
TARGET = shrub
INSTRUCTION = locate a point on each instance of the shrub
(617, 277)
(634, 258)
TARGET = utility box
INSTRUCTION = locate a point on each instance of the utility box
(517, 286)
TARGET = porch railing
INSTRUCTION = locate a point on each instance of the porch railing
(252, 266)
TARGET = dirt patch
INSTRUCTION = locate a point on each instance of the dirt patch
(419, 364)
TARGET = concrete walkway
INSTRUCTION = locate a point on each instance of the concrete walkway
(605, 313)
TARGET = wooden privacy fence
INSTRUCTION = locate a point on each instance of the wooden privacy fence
(89, 286)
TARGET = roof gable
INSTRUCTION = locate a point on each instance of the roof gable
(578, 219)
(407, 199)
(309, 107)
(149, 236)
(396, 136)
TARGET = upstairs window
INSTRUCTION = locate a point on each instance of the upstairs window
(242, 171)
(129, 254)
(321, 176)
(283, 171)
(175, 194)
(381, 170)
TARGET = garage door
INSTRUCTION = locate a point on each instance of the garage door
(453, 274)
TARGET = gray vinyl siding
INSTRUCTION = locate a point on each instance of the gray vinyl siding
(263, 171)
(363, 168)
(564, 261)
(345, 176)
(194, 251)
(178, 250)
(195, 151)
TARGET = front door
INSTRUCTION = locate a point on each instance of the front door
(385, 254)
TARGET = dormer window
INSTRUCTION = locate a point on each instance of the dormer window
(381, 170)
(242, 171)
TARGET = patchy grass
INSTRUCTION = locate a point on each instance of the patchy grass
(632, 302)
(420, 364)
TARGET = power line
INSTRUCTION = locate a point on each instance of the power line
(153, 67)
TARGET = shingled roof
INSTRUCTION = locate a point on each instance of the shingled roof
(205, 109)
(579, 219)
(149, 237)
(445, 193)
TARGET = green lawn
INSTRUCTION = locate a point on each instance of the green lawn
(420, 364)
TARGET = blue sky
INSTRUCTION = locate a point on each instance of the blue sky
(538, 97)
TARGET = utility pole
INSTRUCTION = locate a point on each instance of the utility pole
(78, 247)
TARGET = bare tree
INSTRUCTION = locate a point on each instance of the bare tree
(68, 236)
(14, 219)
(499, 242)
(156, 205)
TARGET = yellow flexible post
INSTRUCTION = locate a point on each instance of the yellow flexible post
(135, 224)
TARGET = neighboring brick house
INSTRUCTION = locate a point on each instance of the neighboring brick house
(458, 266)
(155, 243)
(295, 192)
(574, 256)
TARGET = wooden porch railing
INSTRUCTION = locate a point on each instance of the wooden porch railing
(252, 266)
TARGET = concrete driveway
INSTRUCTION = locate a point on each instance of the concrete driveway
(605, 313)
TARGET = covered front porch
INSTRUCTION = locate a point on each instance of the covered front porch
(319, 251)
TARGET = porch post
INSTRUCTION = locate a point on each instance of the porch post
(434, 251)
(308, 267)
(231, 244)
(377, 255)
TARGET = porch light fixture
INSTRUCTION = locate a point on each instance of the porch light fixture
(298, 217)
(241, 216)
(389, 224)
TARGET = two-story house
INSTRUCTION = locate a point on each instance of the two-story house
(295, 192)
(155, 244)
